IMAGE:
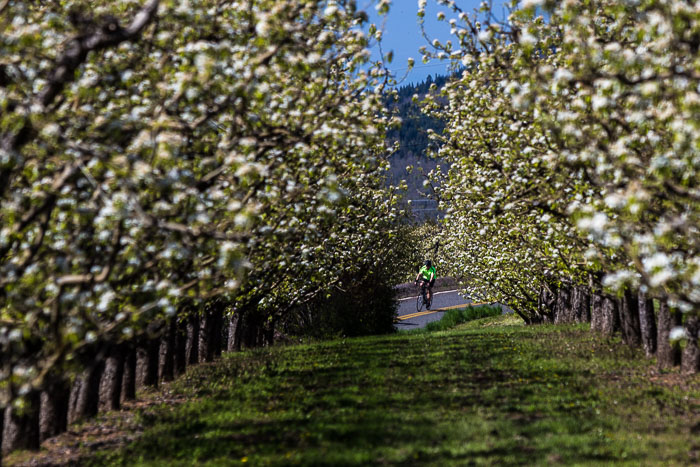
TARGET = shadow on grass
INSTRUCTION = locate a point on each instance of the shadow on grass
(481, 398)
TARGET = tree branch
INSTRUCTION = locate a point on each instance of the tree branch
(106, 35)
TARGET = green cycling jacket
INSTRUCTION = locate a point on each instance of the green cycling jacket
(425, 272)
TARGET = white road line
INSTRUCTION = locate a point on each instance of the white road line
(435, 293)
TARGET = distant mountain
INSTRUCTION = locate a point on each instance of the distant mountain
(413, 138)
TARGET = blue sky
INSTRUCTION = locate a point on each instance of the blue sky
(403, 36)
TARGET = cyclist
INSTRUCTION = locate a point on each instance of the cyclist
(426, 276)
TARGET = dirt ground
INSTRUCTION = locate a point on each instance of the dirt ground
(107, 430)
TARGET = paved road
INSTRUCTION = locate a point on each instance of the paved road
(407, 309)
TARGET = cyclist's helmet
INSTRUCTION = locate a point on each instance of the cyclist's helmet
(428, 263)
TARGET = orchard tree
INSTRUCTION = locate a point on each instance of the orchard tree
(153, 153)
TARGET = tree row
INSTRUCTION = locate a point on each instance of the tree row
(572, 174)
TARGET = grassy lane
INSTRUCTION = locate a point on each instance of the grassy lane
(489, 392)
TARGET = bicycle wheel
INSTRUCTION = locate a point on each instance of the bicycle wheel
(419, 302)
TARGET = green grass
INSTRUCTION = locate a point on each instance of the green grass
(455, 317)
(491, 392)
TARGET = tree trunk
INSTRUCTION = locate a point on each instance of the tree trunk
(234, 342)
(647, 324)
(21, 429)
(547, 301)
(112, 379)
(582, 304)
(690, 362)
(180, 364)
(193, 339)
(218, 331)
(85, 395)
(75, 390)
(147, 363)
(53, 414)
(269, 332)
(563, 310)
(129, 376)
(527, 316)
(597, 312)
(225, 331)
(611, 317)
(629, 318)
(206, 336)
(166, 362)
(575, 304)
(668, 354)
(252, 327)
(247, 331)
(2, 429)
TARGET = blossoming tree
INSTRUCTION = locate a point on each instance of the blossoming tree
(573, 139)
(154, 153)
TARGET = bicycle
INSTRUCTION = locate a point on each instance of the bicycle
(422, 299)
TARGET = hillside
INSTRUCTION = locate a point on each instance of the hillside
(413, 139)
